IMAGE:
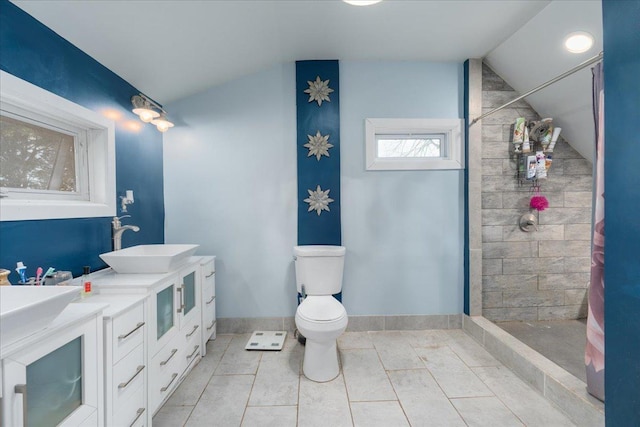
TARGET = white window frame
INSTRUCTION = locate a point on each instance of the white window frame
(19, 96)
(453, 148)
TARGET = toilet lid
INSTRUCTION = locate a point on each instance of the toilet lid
(323, 308)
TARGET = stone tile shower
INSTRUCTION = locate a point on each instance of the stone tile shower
(539, 275)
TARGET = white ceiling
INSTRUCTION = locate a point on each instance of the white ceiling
(171, 49)
(534, 55)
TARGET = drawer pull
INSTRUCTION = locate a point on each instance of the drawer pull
(138, 370)
(165, 388)
(138, 415)
(213, 322)
(138, 326)
(209, 275)
(211, 300)
(195, 328)
(195, 350)
(173, 352)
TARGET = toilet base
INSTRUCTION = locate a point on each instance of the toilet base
(320, 362)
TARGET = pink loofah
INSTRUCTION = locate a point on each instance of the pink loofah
(539, 202)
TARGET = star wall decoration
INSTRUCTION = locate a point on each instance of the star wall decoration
(319, 91)
(318, 200)
(318, 145)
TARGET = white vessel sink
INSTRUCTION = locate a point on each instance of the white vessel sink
(25, 310)
(149, 258)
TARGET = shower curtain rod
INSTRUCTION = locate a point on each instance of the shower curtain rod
(585, 64)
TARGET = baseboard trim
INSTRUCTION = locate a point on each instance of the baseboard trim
(244, 325)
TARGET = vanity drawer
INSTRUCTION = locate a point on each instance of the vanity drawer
(208, 296)
(209, 321)
(208, 269)
(128, 377)
(133, 413)
(192, 331)
(128, 331)
(166, 368)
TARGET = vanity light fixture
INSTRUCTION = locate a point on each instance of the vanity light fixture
(162, 123)
(150, 112)
(361, 2)
(578, 42)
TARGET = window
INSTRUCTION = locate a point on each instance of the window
(57, 159)
(414, 144)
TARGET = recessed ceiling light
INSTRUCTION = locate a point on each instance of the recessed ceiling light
(361, 2)
(578, 42)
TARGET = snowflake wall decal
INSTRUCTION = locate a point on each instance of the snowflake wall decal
(318, 145)
(318, 200)
(319, 91)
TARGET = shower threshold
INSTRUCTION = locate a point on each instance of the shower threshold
(555, 383)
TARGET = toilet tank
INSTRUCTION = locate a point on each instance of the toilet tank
(319, 268)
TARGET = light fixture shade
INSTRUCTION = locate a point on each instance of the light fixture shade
(144, 109)
(162, 123)
(361, 2)
(145, 114)
(578, 42)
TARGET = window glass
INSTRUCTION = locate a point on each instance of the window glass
(57, 158)
(35, 157)
(390, 146)
(414, 144)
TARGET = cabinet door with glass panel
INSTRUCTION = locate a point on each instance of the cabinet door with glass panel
(189, 295)
(164, 309)
(56, 382)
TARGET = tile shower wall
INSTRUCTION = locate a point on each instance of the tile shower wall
(541, 275)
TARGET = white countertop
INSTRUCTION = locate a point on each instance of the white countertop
(116, 303)
(73, 314)
(108, 279)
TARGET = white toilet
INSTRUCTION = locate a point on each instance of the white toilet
(320, 318)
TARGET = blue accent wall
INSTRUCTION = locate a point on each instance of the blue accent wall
(622, 207)
(31, 51)
(314, 229)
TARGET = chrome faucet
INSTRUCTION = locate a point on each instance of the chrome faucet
(118, 229)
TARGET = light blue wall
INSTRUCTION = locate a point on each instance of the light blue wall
(403, 229)
(230, 185)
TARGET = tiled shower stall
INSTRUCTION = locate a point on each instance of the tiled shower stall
(543, 274)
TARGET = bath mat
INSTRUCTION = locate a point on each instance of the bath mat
(266, 340)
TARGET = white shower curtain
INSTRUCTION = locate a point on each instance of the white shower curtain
(594, 352)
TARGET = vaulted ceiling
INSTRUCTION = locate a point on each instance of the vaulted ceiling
(171, 49)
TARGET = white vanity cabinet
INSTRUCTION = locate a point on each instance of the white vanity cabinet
(54, 377)
(208, 278)
(173, 305)
(125, 359)
(179, 310)
(178, 336)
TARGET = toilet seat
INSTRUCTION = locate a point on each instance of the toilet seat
(321, 309)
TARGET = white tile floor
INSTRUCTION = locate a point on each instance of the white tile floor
(403, 378)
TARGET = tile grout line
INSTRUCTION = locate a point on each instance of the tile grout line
(210, 378)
